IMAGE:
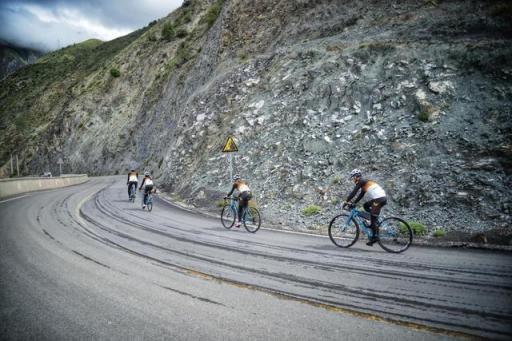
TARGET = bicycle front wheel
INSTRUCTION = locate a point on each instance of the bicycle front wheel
(252, 221)
(395, 235)
(228, 216)
(342, 231)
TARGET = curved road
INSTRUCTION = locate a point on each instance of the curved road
(84, 263)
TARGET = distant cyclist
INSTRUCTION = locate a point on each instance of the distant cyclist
(148, 185)
(133, 179)
(376, 196)
(244, 195)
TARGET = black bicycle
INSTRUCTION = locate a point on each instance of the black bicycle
(395, 234)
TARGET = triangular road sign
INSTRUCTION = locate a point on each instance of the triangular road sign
(230, 146)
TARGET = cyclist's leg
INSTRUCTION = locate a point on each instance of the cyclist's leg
(144, 200)
(240, 211)
(242, 205)
(376, 207)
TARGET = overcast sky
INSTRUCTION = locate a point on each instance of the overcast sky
(52, 24)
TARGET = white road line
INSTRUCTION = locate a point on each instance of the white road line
(26, 195)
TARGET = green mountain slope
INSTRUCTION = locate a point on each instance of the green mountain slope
(417, 93)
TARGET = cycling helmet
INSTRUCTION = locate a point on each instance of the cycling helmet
(237, 177)
(146, 173)
(355, 172)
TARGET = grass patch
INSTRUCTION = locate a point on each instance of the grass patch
(183, 54)
(168, 32)
(311, 210)
(181, 33)
(336, 179)
(115, 72)
(152, 37)
(417, 228)
(213, 12)
(438, 233)
(423, 116)
(220, 203)
(243, 55)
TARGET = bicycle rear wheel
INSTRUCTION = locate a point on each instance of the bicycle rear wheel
(342, 231)
(252, 220)
(228, 216)
(150, 204)
(395, 235)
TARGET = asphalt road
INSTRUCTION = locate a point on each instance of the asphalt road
(84, 263)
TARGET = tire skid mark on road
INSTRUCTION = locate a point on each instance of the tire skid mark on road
(203, 299)
(90, 259)
(375, 315)
(355, 269)
(103, 207)
(286, 278)
(327, 304)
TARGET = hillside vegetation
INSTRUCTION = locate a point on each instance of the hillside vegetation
(416, 93)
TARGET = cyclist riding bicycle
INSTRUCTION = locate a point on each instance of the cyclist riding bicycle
(149, 187)
(244, 195)
(133, 179)
(377, 197)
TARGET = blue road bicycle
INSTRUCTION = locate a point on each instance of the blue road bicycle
(250, 215)
(149, 201)
(395, 235)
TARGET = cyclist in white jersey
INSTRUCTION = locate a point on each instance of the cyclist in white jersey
(133, 179)
(148, 185)
(244, 195)
(377, 199)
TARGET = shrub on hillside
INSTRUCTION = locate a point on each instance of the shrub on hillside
(181, 33)
(213, 12)
(438, 233)
(168, 32)
(418, 229)
(115, 72)
(423, 116)
(311, 210)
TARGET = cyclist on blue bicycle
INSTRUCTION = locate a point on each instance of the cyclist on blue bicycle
(244, 195)
(148, 185)
(133, 179)
(377, 197)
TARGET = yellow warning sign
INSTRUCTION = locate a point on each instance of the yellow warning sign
(230, 146)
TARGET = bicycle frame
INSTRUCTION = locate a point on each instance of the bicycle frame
(234, 206)
(354, 214)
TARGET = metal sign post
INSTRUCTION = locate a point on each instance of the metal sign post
(12, 169)
(60, 162)
(17, 165)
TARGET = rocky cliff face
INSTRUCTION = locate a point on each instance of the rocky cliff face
(13, 58)
(416, 93)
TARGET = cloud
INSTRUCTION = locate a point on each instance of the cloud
(52, 24)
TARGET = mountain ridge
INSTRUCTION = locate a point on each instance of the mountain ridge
(309, 89)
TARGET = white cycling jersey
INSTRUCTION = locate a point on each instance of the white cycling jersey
(243, 188)
(374, 191)
(133, 178)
